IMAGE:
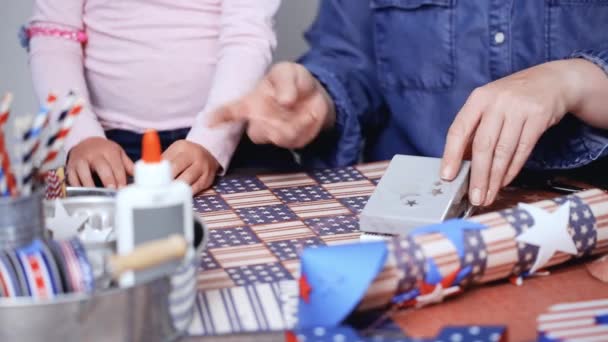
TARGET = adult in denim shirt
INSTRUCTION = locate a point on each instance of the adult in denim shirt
(413, 76)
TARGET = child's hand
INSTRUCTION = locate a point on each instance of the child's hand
(101, 156)
(502, 122)
(192, 164)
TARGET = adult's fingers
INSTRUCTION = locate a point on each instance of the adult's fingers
(530, 134)
(290, 82)
(84, 173)
(235, 111)
(484, 142)
(503, 153)
(104, 171)
(284, 81)
(118, 168)
(460, 134)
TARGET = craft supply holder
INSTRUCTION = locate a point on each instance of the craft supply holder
(140, 313)
(21, 220)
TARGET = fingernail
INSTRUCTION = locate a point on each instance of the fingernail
(111, 186)
(476, 196)
(446, 174)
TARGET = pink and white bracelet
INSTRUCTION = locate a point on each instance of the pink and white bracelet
(27, 33)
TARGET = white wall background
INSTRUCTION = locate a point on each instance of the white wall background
(293, 18)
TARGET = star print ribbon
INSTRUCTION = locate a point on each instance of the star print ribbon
(439, 260)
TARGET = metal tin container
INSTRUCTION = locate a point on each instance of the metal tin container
(140, 313)
(21, 220)
(152, 311)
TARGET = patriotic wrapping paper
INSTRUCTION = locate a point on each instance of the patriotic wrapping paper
(578, 321)
(437, 261)
(258, 226)
(456, 333)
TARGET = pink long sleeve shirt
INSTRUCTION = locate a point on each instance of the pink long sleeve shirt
(161, 64)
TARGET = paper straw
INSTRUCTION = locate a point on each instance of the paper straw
(5, 107)
(3, 184)
(65, 121)
(6, 168)
(31, 141)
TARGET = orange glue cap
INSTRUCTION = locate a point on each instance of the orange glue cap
(150, 147)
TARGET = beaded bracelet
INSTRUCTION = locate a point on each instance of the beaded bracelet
(26, 34)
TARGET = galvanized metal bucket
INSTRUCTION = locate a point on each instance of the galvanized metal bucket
(140, 313)
(160, 310)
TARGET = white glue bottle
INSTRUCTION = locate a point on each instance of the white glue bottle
(152, 208)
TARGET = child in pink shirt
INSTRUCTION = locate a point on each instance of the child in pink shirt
(162, 64)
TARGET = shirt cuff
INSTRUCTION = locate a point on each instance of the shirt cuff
(570, 144)
(220, 141)
(346, 134)
(85, 126)
(599, 58)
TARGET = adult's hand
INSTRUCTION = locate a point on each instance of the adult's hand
(503, 121)
(288, 108)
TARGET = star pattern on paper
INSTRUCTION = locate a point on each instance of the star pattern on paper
(62, 224)
(437, 192)
(549, 232)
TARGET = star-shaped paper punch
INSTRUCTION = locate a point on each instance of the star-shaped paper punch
(62, 224)
(549, 232)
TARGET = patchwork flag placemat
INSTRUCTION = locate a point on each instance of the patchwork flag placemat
(257, 227)
(258, 224)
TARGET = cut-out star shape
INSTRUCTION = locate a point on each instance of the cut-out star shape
(411, 203)
(436, 192)
(549, 233)
(62, 224)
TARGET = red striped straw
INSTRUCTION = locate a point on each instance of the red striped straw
(5, 108)
(6, 168)
(65, 122)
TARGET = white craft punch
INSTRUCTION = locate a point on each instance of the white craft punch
(412, 194)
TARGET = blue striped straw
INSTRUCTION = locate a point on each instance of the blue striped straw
(31, 139)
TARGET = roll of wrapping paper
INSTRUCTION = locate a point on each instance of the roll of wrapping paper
(437, 261)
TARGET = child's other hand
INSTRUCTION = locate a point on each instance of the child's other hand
(101, 156)
(192, 164)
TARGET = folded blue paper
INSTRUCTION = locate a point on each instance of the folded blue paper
(338, 278)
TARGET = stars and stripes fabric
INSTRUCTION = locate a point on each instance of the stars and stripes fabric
(258, 226)
(579, 321)
(255, 221)
(455, 333)
(266, 307)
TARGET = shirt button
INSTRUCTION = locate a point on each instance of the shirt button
(499, 38)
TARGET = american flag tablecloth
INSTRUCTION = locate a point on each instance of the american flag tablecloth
(257, 226)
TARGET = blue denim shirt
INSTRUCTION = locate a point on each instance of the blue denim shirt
(400, 70)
